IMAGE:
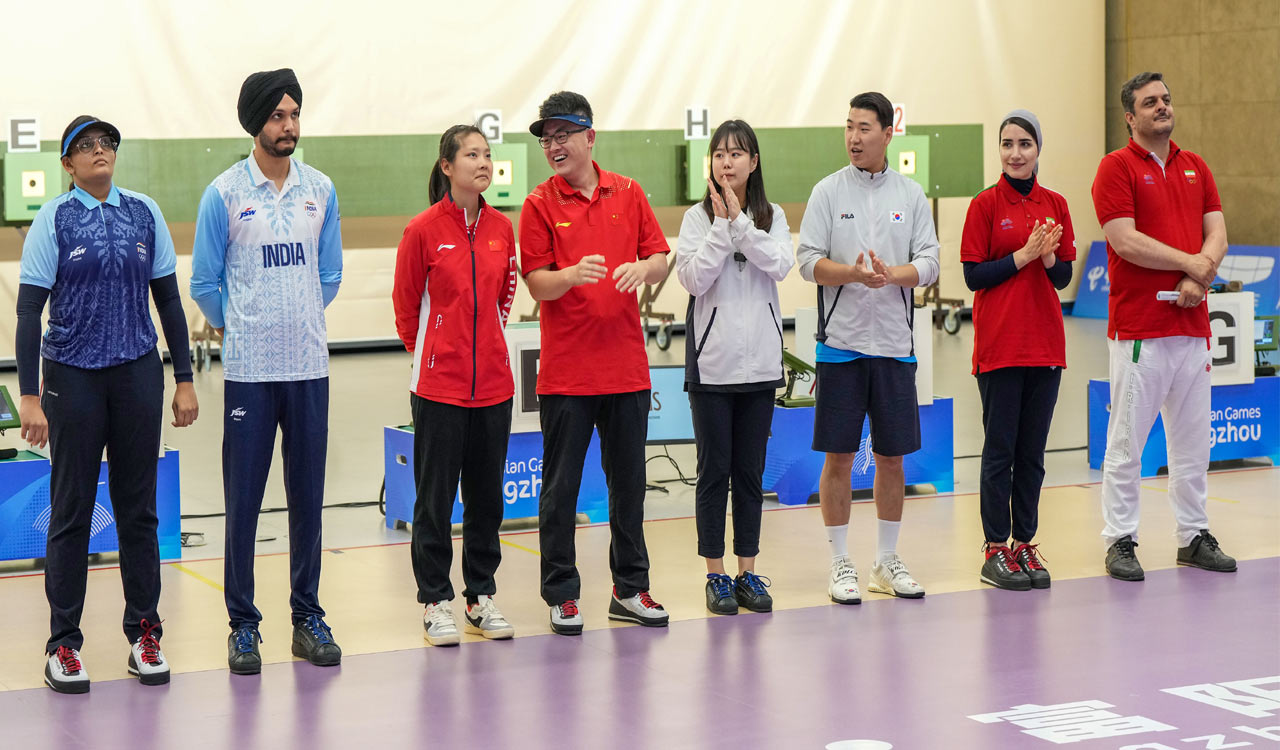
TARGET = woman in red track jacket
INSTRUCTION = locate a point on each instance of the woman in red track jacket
(455, 280)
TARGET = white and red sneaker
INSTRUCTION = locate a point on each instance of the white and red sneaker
(64, 672)
(146, 661)
(640, 608)
(566, 619)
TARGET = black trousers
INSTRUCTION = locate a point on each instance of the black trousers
(1017, 408)
(567, 421)
(118, 408)
(452, 442)
(732, 432)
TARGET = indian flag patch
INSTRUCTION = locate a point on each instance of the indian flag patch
(1190, 174)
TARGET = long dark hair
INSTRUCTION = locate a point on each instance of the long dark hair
(438, 185)
(757, 203)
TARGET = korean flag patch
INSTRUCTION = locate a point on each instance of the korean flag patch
(896, 217)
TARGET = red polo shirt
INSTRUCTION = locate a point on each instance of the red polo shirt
(1167, 205)
(1018, 322)
(592, 342)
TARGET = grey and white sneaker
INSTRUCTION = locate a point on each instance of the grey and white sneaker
(146, 661)
(64, 672)
(483, 618)
(640, 608)
(437, 621)
(891, 577)
(844, 582)
(566, 619)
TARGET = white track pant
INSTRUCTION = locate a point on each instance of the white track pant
(1167, 376)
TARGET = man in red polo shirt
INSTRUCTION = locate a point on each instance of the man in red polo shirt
(1159, 208)
(588, 240)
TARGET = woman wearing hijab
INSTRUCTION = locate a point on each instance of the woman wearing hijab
(98, 254)
(1017, 250)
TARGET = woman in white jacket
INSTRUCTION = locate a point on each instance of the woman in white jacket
(733, 250)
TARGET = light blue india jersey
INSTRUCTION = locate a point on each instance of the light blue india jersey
(265, 264)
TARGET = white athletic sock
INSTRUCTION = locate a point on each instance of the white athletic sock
(886, 539)
(838, 538)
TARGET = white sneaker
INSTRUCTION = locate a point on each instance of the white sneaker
(483, 618)
(146, 661)
(891, 577)
(640, 608)
(438, 623)
(566, 619)
(64, 672)
(844, 582)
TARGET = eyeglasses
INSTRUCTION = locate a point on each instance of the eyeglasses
(86, 145)
(562, 137)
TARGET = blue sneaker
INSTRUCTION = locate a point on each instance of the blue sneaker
(242, 650)
(749, 590)
(720, 599)
(313, 641)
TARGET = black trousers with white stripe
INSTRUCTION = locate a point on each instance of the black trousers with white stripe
(118, 408)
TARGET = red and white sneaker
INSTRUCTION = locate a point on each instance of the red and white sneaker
(640, 608)
(566, 619)
(64, 672)
(146, 661)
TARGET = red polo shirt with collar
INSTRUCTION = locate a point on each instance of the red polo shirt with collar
(1167, 205)
(592, 342)
(1018, 322)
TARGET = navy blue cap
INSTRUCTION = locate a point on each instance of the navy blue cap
(82, 123)
(536, 128)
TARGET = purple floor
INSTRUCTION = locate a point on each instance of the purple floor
(909, 674)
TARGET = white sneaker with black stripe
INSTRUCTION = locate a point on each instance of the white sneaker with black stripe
(64, 672)
(640, 608)
(483, 618)
(439, 626)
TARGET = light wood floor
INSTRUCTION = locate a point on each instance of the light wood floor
(371, 599)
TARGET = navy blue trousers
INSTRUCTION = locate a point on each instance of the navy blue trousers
(118, 407)
(253, 412)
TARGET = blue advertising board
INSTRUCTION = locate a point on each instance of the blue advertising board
(1244, 422)
(1254, 266)
(521, 485)
(792, 468)
(24, 509)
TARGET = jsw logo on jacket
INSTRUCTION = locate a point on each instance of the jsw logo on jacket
(454, 284)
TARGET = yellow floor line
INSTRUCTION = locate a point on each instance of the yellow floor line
(1211, 497)
(520, 546)
(197, 576)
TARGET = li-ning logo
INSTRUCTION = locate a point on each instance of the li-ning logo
(78, 253)
(311, 209)
(238, 412)
(442, 247)
(563, 223)
(247, 214)
(1006, 223)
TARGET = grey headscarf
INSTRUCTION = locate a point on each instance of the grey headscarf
(1036, 133)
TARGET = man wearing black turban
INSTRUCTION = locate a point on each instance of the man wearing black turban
(267, 260)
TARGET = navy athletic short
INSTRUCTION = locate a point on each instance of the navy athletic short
(848, 392)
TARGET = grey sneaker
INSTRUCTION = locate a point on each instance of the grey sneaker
(566, 619)
(313, 641)
(64, 672)
(243, 656)
(891, 577)
(1122, 563)
(1204, 552)
(439, 626)
(483, 618)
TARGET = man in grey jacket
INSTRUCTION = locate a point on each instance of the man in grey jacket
(867, 239)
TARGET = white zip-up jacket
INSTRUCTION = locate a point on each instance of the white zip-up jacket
(851, 212)
(733, 329)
